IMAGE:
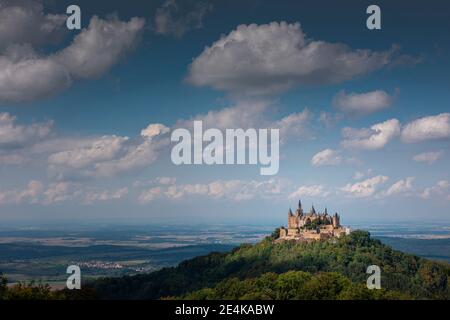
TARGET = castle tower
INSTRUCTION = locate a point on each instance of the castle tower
(292, 220)
(299, 209)
(336, 222)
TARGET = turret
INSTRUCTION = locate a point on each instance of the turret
(299, 209)
(313, 210)
(290, 214)
(336, 222)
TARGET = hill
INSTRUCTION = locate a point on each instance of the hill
(333, 269)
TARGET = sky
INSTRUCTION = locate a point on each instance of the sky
(86, 115)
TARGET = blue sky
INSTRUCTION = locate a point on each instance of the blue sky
(364, 115)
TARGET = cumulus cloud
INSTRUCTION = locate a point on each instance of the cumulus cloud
(137, 156)
(36, 193)
(271, 58)
(96, 196)
(28, 194)
(178, 17)
(26, 75)
(373, 138)
(328, 119)
(360, 174)
(427, 128)
(236, 190)
(362, 103)
(154, 129)
(259, 113)
(364, 188)
(294, 125)
(59, 192)
(439, 189)
(244, 114)
(13, 135)
(310, 191)
(103, 149)
(107, 156)
(428, 157)
(24, 21)
(401, 187)
(96, 49)
(165, 181)
(327, 157)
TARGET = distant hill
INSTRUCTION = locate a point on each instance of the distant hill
(333, 269)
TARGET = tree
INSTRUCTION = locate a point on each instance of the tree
(3, 286)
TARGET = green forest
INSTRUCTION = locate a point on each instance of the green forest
(333, 269)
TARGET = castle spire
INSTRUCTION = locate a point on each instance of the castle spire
(299, 204)
(290, 212)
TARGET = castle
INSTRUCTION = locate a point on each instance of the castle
(312, 225)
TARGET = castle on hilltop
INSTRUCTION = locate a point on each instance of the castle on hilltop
(312, 225)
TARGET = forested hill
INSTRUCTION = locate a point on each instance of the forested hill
(331, 269)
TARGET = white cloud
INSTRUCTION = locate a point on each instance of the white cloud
(359, 174)
(236, 190)
(328, 119)
(36, 193)
(426, 128)
(26, 75)
(310, 191)
(362, 103)
(294, 125)
(178, 17)
(165, 181)
(428, 157)
(13, 135)
(95, 196)
(371, 139)
(270, 58)
(439, 189)
(108, 156)
(327, 157)
(136, 157)
(96, 49)
(244, 114)
(154, 129)
(255, 114)
(364, 188)
(103, 149)
(59, 192)
(29, 194)
(24, 21)
(401, 187)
